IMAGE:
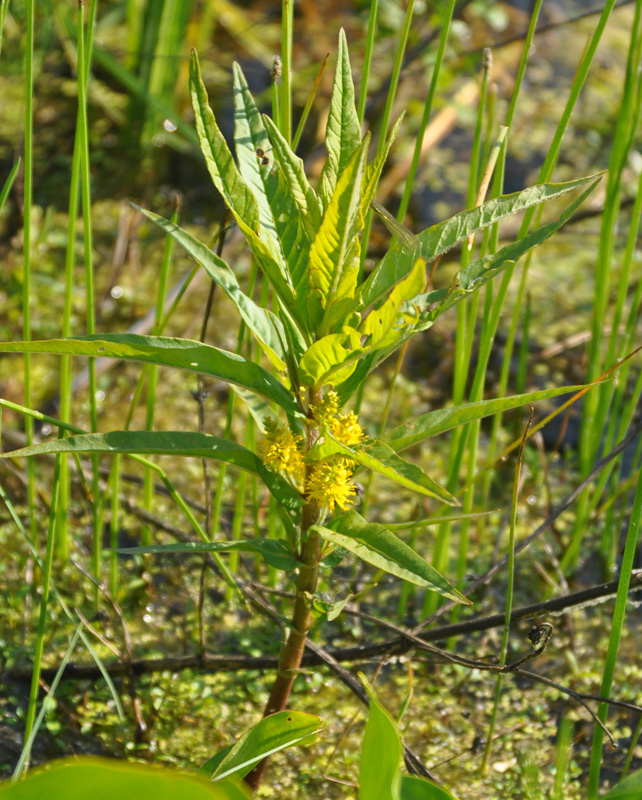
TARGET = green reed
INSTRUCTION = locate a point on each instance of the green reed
(617, 624)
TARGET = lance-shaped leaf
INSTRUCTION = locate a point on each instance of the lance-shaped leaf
(275, 551)
(240, 198)
(384, 324)
(254, 151)
(220, 163)
(438, 239)
(277, 208)
(267, 328)
(270, 260)
(272, 734)
(293, 169)
(343, 131)
(168, 352)
(376, 545)
(381, 753)
(295, 244)
(330, 359)
(332, 272)
(381, 458)
(444, 419)
(430, 306)
(172, 443)
(479, 272)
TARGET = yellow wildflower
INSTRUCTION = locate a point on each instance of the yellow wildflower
(330, 484)
(346, 429)
(281, 450)
(327, 408)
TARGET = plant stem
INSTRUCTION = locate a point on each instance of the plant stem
(26, 269)
(293, 645)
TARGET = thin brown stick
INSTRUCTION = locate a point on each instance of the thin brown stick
(399, 645)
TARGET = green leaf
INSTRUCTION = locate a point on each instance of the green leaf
(173, 443)
(293, 170)
(334, 263)
(414, 787)
(168, 352)
(381, 753)
(384, 324)
(438, 239)
(212, 764)
(249, 215)
(80, 778)
(444, 419)
(381, 458)
(251, 140)
(475, 276)
(343, 131)
(330, 359)
(274, 551)
(220, 163)
(479, 272)
(270, 260)
(295, 243)
(280, 224)
(628, 789)
(270, 735)
(376, 545)
(267, 328)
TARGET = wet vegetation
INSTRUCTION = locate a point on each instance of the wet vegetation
(153, 575)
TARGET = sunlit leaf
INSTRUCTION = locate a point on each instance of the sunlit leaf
(330, 359)
(254, 151)
(81, 778)
(376, 545)
(174, 443)
(444, 419)
(429, 307)
(293, 169)
(383, 324)
(438, 239)
(267, 328)
(270, 259)
(272, 734)
(334, 267)
(168, 352)
(220, 163)
(343, 131)
(381, 458)
(277, 208)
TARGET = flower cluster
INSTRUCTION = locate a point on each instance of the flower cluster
(282, 451)
(328, 483)
(326, 409)
(346, 429)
